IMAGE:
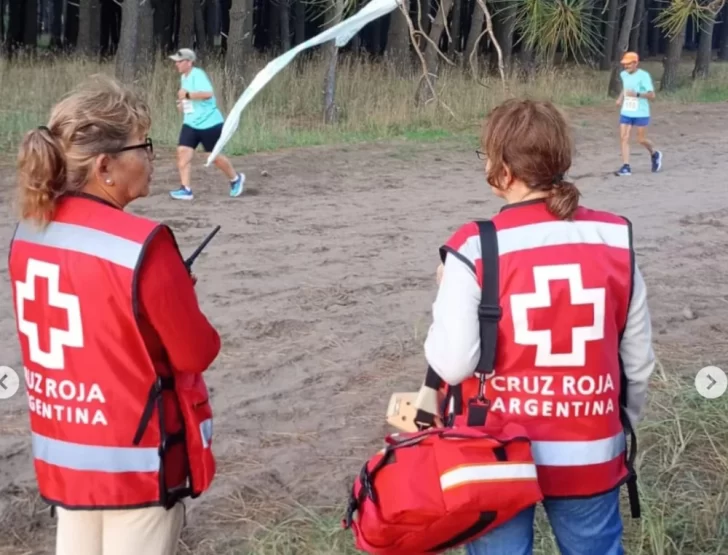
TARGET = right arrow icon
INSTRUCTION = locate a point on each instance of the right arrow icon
(711, 382)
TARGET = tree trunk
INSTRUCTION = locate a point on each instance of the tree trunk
(30, 24)
(422, 21)
(145, 49)
(705, 50)
(504, 24)
(398, 41)
(723, 48)
(477, 21)
(274, 27)
(71, 30)
(285, 23)
(239, 43)
(212, 25)
(456, 28)
(126, 55)
(528, 63)
(643, 48)
(14, 35)
(332, 53)
(672, 61)
(89, 28)
(200, 30)
(164, 25)
(609, 36)
(57, 25)
(299, 13)
(622, 45)
(186, 33)
(432, 57)
(656, 32)
(634, 37)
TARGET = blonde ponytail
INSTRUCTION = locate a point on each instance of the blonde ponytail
(41, 175)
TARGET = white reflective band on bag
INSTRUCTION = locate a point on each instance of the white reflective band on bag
(486, 473)
(95, 458)
(578, 453)
(85, 240)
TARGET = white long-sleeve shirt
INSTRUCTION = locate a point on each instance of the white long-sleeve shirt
(452, 346)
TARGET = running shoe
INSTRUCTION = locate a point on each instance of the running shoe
(236, 186)
(656, 161)
(624, 170)
(183, 193)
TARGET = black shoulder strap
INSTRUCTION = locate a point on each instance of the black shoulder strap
(489, 311)
(489, 314)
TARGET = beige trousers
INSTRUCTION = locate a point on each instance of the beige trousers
(149, 531)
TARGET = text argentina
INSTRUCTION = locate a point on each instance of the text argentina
(64, 390)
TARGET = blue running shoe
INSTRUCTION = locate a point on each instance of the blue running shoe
(656, 161)
(624, 170)
(183, 193)
(237, 186)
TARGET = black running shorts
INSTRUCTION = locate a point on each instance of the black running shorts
(191, 137)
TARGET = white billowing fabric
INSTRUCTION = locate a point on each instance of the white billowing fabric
(452, 346)
(342, 33)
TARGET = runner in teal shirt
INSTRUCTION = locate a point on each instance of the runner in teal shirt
(637, 91)
(202, 123)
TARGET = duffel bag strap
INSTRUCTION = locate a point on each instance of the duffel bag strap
(426, 402)
(489, 314)
(630, 456)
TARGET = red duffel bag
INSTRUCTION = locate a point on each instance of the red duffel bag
(440, 488)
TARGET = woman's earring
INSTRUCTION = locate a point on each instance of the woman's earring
(108, 181)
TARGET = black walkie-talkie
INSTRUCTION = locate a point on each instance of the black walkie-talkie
(199, 249)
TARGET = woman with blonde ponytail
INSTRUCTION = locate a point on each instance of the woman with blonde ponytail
(116, 344)
(573, 354)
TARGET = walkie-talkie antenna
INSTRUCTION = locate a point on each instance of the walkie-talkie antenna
(199, 249)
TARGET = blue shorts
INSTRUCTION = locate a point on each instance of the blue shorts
(636, 122)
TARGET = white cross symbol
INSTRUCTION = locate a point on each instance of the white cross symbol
(541, 298)
(54, 359)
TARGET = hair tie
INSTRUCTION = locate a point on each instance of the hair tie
(44, 128)
(558, 178)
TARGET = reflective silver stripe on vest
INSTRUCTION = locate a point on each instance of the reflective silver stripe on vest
(95, 458)
(578, 453)
(82, 239)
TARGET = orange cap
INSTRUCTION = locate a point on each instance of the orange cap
(630, 57)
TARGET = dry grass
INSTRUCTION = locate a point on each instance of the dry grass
(683, 479)
(375, 99)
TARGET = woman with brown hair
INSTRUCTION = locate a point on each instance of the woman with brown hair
(112, 338)
(573, 353)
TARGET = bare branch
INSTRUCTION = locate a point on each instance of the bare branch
(489, 29)
(425, 72)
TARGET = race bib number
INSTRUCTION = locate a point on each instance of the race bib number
(631, 103)
(187, 107)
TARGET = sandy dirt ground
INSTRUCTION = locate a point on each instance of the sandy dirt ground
(321, 283)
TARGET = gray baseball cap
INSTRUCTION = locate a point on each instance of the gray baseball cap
(184, 54)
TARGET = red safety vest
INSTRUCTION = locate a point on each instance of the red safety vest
(565, 290)
(98, 432)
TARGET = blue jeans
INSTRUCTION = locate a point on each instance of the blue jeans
(581, 527)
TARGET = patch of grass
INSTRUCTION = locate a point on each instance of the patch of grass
(375, 100)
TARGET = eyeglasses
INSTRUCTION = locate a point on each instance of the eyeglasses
(481, 154)
(146, 144)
